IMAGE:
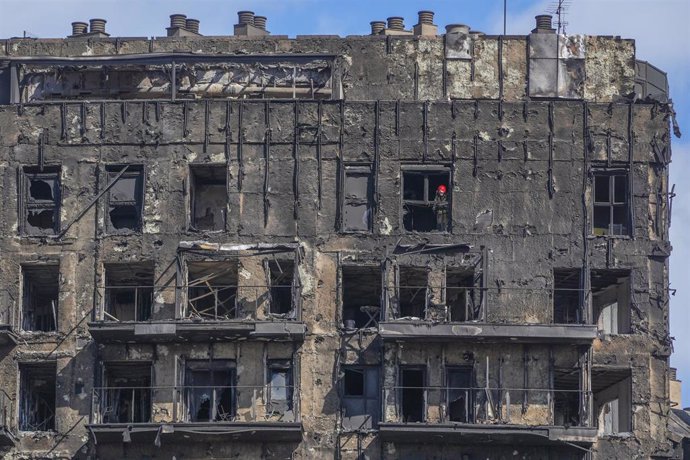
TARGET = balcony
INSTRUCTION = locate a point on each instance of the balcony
(539, 417)
(208, 313)
(175, 414)
(426, 313)
(7, 433)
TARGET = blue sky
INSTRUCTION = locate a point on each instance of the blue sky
(658, 26)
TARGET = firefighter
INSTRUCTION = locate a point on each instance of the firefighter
(441, 208)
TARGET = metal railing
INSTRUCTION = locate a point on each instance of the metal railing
(464, 304)
(202, 302)
(194, 404)
(510, 406)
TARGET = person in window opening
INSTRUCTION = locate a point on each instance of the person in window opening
(441, 208)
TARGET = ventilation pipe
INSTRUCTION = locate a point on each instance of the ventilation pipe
(396, 23)
(249, 25)
(425, 25)
(544, 24)
(178, 21)
(377, 27)
(260, 22)
(97, 26)
(246, 17)
(79, 28)
(192, 25)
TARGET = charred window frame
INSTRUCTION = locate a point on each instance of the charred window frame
(40, 297)
(567, 401)
(37, 400)
(360, 397)
(361, 296)
(279, 383)
(40, 200)
(611, 203)
(413, 394)
(211, 290)
(357, 199)
(210, 390)
(128, 293)
(567, 296)
(460, 394)
(420, 210)
(125, 198)
(127, 393)
(412, 291)
(208, 197)
(283, 287)
(612, 394)
(611, 301)
(462, 298)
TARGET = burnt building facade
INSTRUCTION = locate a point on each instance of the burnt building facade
(407, 244)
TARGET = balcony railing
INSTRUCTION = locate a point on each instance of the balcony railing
(494, 406)
(200, 302)
(194, 404)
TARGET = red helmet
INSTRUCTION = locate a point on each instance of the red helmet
(441, 189)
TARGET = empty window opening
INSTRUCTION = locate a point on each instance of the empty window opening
(281, 280)
(611, 206)
(125, 198)
(612, 391)
(212, 290)
(41, 290)
(459, 394)
(567, 296)
(361, 294)
(426, 200)
(279, 386)
(566, 396)
(210, 390)
(412, 292)
(209, 197)
(611, 300)
(413, 395)
(460, 295)
(37, 397)
(128, 292)
(41, 201)
(360, 389)
(126, 397)
(358, 197)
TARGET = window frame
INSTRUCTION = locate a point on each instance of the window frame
(211, 366)
(369, 402)
(274, 365)
(190, 189)
(27, 203)
(612, 204)
(358, 169)
(134, 170)
(426, 170)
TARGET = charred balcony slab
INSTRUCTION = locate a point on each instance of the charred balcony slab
(489, 434)
(195, 331)
(175, 433)
(525, 333)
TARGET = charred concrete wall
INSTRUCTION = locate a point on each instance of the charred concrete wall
(521, 174)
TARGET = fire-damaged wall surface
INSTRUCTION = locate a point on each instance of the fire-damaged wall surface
(403, 245)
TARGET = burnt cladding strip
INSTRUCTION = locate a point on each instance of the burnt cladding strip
(240, 139)
(377, 153)
(206, 123)
(551, 188)
(318, 150)
(295, 157)
(267, 158)
(631, 172)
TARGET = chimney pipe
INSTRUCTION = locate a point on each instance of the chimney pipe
(260, 22)
(192, 25)
(246, 17)
(377, 27)
(544, 22)
(97, 25)
(426, 17)
(396, 23)
(178, 20)
(79, 28)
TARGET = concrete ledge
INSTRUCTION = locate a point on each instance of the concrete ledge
(490, 434)
(197, 432)
(191, 331)
(536, 333)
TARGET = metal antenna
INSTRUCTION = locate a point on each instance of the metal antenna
(559, 8)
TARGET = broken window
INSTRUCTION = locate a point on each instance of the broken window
(41, 290)
(126, 397)
(281, 281)
(412, 292)
(279, 386)
(426, 200)
(566, 396)
(567, 298)
(459, 394)
(40, 199)
(210, 390)
(360, 390)
(412, 381)
(361, 294)
(212, 290)
(208, 197)
(128, 292)
(358, 197)
(611, 206)
(37, 396)
(460, 298)
(612, 391)
(125, 198)
(611, 300)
